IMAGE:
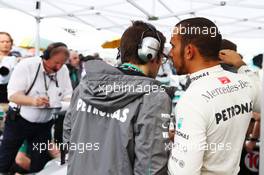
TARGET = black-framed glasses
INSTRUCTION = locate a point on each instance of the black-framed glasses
(165, 58)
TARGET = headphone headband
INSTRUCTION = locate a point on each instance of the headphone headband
(51, 47)
(149, 46)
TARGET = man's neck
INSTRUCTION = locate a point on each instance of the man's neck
(3, 54)
(203, 65)
(143, 68)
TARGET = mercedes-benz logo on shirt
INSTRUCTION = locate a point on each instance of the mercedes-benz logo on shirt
(224, 80)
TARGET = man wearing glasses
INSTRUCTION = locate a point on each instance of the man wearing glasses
(36, 87)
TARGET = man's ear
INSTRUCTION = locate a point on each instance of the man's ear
(189, 51)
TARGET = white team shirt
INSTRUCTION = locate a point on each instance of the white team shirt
(8, 62)
(212, 119)
(21, 80)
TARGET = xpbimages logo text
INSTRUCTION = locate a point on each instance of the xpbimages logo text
(117, 87)
(192, 30)
(212, 147)
(79, 147)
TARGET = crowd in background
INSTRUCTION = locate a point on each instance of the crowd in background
(58, 76)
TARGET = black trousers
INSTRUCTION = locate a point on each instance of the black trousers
(15, 132)
(3, 93)
(58, 127)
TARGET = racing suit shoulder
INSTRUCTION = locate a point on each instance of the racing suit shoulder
(246, 74)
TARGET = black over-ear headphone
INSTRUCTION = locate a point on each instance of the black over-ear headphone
(149, 47)
(51, 47)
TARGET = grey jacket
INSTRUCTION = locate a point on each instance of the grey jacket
(115, 131)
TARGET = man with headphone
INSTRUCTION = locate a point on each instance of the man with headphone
(119, 115)
(37, 86)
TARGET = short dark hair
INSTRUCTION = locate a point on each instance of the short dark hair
(207, 44)
(9, 36)
(131, 39)
(226, 44)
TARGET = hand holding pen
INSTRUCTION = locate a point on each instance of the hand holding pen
(41, 100)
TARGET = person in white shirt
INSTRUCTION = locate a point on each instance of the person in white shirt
(7, 63)
(37, 86)
(213, 115)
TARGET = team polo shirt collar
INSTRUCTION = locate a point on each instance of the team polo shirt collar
(205, 72)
